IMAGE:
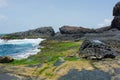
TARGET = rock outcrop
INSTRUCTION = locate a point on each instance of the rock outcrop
(95, 49)
(35, 33)
(116, 22)
(71, 33)
(116, 13)
(69, 37)
(102, 29)
(75, 30)
(6, 59)
(116, 9)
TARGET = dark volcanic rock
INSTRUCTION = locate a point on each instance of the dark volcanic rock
(71, 33)
(116, 22)
(70, 37)
(116, 13)
(35, 33)
(102, 29)
(116, 10)
(6, 59)
(114, 43)
(95, 49)
(75, 30)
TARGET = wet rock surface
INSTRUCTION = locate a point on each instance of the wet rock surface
(86, 75)
(95, 49)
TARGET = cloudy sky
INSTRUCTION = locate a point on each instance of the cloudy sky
(21, 15)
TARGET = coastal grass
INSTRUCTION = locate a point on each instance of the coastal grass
(55, 50)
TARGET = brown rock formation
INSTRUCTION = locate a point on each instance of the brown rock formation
(75, 30)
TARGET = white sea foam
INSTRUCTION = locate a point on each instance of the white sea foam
(25, 54)
(21, 41)
(34, 42)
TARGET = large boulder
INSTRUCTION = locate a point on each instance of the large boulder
(75, 30)
(95, 49)
(6, 59)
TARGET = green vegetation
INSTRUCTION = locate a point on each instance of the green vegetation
(49, 74)
(15, 36)
(24, 61)
(10, 37)
(52, 52)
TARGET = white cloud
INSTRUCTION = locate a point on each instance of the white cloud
(106, 22)
(3, 3)
(3, 18)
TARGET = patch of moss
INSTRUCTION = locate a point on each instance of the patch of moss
(42, 70)
(48, 74)
(72, 58)
(24, 62)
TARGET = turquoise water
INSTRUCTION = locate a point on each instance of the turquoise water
(8, 49)
(19, 48)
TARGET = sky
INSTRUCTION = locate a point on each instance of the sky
(22, 15)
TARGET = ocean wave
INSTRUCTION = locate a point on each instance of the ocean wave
(21, 41)
(23, 54)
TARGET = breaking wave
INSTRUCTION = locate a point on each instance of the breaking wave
(19, 48)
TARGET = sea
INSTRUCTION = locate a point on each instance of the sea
(19, 48)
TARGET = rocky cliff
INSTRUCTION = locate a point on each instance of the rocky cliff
(35, 33)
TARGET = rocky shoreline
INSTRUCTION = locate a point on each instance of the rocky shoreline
(97, 46)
